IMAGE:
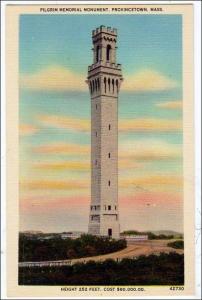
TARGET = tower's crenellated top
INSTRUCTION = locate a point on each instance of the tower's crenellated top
(104, 75)
(104, 45)
(104, 29)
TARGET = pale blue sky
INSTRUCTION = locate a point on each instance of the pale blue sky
(151, 42)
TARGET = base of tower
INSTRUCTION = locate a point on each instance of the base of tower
(111, 230)
(94, 229)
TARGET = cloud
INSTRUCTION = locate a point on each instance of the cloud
(54, 185)
(148, 81)
(64, 165)
(80, 165)
(127, 148)
(53, 78)
(53, 203)
(65, 122)
(58, 78)
(152, 210)
(27, 129)
(127, 125)
(138, 200)
(152, 199)
(131, 154)
(150, 125)
(62, 148)
(149, 150)
(125, 162)
(138, 184)
(170, 105)
(155, 180)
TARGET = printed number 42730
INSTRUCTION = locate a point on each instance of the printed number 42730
(177, 288)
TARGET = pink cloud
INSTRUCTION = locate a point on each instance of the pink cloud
(154, 199)
(49, 204)
(140, 200)
(141, 211)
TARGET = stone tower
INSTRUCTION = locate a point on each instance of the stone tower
(104, 80)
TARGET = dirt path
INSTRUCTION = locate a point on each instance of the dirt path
(134, 249)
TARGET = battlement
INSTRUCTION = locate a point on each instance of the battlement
(104, 29)
(104, 64)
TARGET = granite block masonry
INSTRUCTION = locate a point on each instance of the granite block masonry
(104, 80)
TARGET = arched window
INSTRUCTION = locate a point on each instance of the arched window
(113, 85)
(105, 84)
(117, 85)
(98, 84)
(91, 87)
(109, 84)
(109, 183)
(97, 53)
(108, 53)
(109, 154)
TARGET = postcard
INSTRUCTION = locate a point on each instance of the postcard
(100, 150)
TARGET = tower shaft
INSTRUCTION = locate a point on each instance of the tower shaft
(104, 79)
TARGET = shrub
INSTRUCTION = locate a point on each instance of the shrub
(179, 244)
(146, 270)
(35, 249)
